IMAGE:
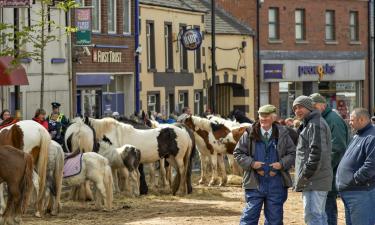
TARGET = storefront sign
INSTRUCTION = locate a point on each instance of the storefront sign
(14, 3)
(319, 70)
(106, 56)
(191, 39)
(83, 24)
(273, 71)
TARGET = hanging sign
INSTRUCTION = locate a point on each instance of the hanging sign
(83, 24)
(191, 39)
(14, 3)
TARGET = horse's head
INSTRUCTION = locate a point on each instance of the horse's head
(131, 157)
(219, 130)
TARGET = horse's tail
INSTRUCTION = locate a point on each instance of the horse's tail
(58, 174)
(81, 141)
(27, 181)
(108, 183)
(188, 159)
(43, 160)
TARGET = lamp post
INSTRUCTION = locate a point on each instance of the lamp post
(213, 57)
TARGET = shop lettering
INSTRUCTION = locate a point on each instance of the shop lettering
(320, 70)
(107, 57)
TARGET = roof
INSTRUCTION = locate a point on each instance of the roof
(225, 23)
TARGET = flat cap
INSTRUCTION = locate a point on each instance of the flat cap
(317, 98)
(267, 109)
(55, 105)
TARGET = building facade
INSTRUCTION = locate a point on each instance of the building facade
(103, 72)
(311, 46)
(173, 78)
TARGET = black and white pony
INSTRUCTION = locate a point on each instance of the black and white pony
(172, 143)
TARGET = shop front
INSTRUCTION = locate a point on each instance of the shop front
(340, 81)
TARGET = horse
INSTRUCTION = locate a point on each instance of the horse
(81, 137)
(172, 143)
(96, 169)
(33, 138)
(126, 159)
(55, 171)
(16, 169)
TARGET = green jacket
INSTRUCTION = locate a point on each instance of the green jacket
(340, 138)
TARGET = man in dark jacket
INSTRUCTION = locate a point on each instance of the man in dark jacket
(340, 140)
(355, 178)
(313, 171)
(266, 153)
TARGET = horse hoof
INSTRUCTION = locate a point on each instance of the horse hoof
(54, 213)
(222, 184)
(37, 214)
(201, 181)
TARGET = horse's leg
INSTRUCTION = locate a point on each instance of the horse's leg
(152, 175)
(163, 175)
(176, 181)
(181, 169)
(89, 196)
(134, 183)
(16, 203)
(220, 161)
(214, 169)
(115, 180)
(204, 161)
(2, 200)
(100, 188)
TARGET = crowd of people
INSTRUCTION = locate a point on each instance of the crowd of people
(328, 163)
(56, 123)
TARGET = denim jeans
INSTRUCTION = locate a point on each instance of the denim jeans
(314, 207)
(331, 209)
(360, 206)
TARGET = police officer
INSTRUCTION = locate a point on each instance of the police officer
(57, 123)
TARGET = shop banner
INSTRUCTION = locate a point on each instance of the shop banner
(14, 3)
(83, 24)
(273, 71)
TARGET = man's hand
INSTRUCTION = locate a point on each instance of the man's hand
(261, 172)
(276, 166)
(272, 174)
(257, 165)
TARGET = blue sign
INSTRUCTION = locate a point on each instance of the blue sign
(273, 71)
(319, 70)
(191, 39)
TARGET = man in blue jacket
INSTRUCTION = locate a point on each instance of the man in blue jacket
(355, 178)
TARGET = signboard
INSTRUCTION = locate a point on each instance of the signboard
(83, 24)
(191, 39)
(106, 56)
(320, 70)
(273, 71)
(14, 3)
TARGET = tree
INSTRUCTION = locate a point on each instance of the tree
(36, 35)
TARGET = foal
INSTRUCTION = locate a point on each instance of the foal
(16, 169)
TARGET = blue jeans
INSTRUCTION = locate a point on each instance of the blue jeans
(273, 201)
(314, 203)
(360, 206)
(331, 210)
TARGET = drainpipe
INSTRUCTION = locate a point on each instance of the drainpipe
(213, 56)
(371, 28)
(258, 54)
(136, 37)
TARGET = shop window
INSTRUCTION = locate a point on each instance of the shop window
(330, 34)
(273, 23)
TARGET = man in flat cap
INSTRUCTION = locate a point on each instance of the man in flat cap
(266, 153)
(57, 123)
(340, 140)
(313, 171)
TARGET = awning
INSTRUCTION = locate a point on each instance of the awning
(10, 75)
(93, 79)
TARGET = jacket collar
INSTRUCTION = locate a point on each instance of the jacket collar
(326, 111)
(256, 133)
(363, 130)
(313, 114)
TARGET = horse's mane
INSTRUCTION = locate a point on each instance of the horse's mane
(134, 123)
(104, 145)
(102, 126)
(202, 123)
(77, 120)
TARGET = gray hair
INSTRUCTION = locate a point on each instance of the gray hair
(361, 112)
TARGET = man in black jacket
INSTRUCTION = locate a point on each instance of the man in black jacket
(313, 173)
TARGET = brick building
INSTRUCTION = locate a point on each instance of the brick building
(103, 80)
(310, 46)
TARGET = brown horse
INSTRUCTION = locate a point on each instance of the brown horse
(16, 169)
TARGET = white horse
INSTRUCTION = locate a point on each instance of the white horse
(54, 178)
(35, 140)
(172, 143)
(95, 168)
(125, 159)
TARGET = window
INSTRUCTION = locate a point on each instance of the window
(354, 26)
(330, 25)
(198, 103)
(111, 12)
(300, 24)
(126, 16)
(168, 46)
(273, 23)
(183, 100)
(197, 56)
(183, 54)
(150, 35)
(96, 15)
(153, 102)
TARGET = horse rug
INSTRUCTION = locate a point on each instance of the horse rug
(72, 166)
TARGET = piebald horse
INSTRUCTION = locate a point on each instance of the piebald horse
(33, 138)
(172, 143)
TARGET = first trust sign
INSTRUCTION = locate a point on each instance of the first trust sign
(106, 56)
